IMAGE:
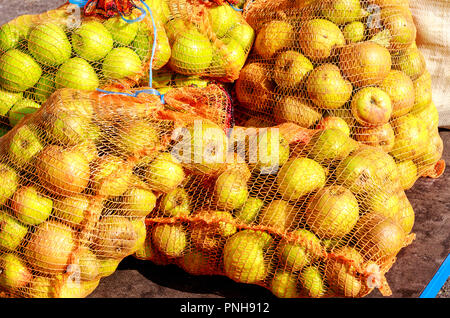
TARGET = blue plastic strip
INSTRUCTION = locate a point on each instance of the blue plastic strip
(438, 280)
(155, 35)
(80, 3)
(236, 8)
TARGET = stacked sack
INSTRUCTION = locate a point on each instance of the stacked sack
(80, 175)
(352, 65)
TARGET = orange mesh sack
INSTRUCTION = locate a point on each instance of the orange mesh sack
(207, 39)
(283, 209)
(70, 48)
(352, 65)
(79, 177)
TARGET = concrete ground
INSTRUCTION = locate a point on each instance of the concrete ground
(414, 268)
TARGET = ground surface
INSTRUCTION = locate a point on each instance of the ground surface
(414, 268)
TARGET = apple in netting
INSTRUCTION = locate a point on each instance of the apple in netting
(143, 45)
(333, 122)
(230, 191)
(122, 32)
(312, 282)
(89, 264)
(44, 88)
(170, 239)
(7, 100)
(319, 37)
(250, 210)
(12, 231)
(422, 92)
(381, 136)
(297, 110)
(14, 273)
(24, 145)
(18, 71)
(327, 88)
(278, 214)
(243, 34)
(274, 36)
(175, 203)
(116, 237)
(92, 41)
(72, 210)
(10, 182)
(405, 216)
(121, 62)
(372, 106)
(284, 285)
(230, 55)
(62, 171)
(9, 37)
(291, 68)
(49, 247)
(365, 63)
(400, 89)
(192, 52)
(332, 212)
(138, 200)
(342, 11)
(77, 73)
(411, 62)
(408, 173)
(411, 137)
(137, 137)
(174, 28)
(165, 173)
(354, 32)
(243, 258)
(111, 175)
(20, 109)
(49, 45)
(197, 262)
(298, 177)
(30, 206)
(222, 19)
(401, 26)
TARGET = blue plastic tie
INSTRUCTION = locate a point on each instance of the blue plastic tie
(80, 3)
(438, 280)
(236, 8)
(155, 35)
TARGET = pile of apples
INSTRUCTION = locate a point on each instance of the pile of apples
(352, 65)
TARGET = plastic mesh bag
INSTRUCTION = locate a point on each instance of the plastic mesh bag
(347, 64)
(207, 39)
(79, 177)
(64, 48)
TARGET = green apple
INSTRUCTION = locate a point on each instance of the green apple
(72, 210)
(10, 182)
(9, 37)
(400, 89)
(49, 247)
(143, 45)
(67, 128)
(334, 122)
(297, 110)
(138, 200)
(180, 80)
(231, 55)
(312, 282)
(170, 239)
(18, 71)
(121, 62)
(14, 273)
(301, 251)
(175, 27)
(273, 36)
(25, 144)
(122, 32)
(30, 206)
(7, 100)
(192, 53)
(116, 237)
(354, 32)
(111, 176)
(318, 38)
(372, 106)
(382, 38)
(291, 68)
(411, 62)
(49, 45)
(162, 77)
(243, 34)
(250, 210)
(222, 19)
(20, 109)
(92, 41)
(12, 232)
(77, 73)
(342, 11)
(330, 145)
(165, 173)
(278, 214)
(176, 203)
(137, 138)
(298, 177)
(332, 212)
(230, 191)
(411, 137)
(284, 285)
(44, 88)
(56, 165)
(327, 88)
